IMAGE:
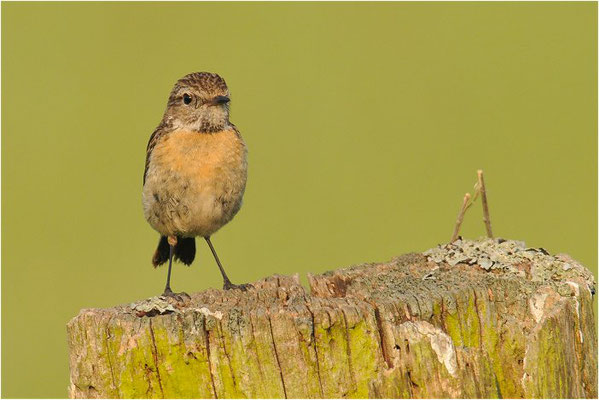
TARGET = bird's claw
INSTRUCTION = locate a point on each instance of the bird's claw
(179, 297)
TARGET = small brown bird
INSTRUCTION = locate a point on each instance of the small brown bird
(196, 170)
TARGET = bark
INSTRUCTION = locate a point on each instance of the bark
(470, 319)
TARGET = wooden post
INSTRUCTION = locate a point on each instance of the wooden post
(487, 318)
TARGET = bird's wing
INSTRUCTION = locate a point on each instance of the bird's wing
(235, 130)
(158, 133)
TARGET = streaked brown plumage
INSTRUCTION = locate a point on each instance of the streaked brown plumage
(196, 170)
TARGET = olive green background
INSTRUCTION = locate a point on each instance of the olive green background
(365, 124)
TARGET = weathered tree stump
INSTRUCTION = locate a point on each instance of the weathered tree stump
(470, 319)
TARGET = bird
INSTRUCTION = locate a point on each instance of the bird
(195, 172)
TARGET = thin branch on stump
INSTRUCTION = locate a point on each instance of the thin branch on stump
(483, 195)
(479, 189)
(458, 223)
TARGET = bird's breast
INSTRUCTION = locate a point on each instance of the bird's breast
(201, 156)
(195, 181)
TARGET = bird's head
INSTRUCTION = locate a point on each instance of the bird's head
(199, 102)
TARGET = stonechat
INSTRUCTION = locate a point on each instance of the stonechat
(196, 171)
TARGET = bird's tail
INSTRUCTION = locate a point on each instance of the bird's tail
(185, 251)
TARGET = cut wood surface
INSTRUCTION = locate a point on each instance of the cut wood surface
(487, 318)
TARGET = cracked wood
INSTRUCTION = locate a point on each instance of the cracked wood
(438, 324)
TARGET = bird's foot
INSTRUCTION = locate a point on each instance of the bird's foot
(243, 287)
(179, 297)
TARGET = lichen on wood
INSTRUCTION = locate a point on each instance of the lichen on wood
(487, 318)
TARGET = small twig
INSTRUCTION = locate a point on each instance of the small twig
(458, 222)
(483, 195)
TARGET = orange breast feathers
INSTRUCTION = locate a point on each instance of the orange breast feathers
(202, 156)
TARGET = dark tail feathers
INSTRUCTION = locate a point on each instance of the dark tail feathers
(185, 251)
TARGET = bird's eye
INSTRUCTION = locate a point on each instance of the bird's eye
(186, 98)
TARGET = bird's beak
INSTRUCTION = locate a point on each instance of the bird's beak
(220, 100)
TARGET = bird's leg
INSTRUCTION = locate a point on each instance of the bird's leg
(172, 242)
(227, 282)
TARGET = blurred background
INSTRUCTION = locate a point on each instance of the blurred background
(365, 124)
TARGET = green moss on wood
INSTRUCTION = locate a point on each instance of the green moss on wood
(457, 331)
